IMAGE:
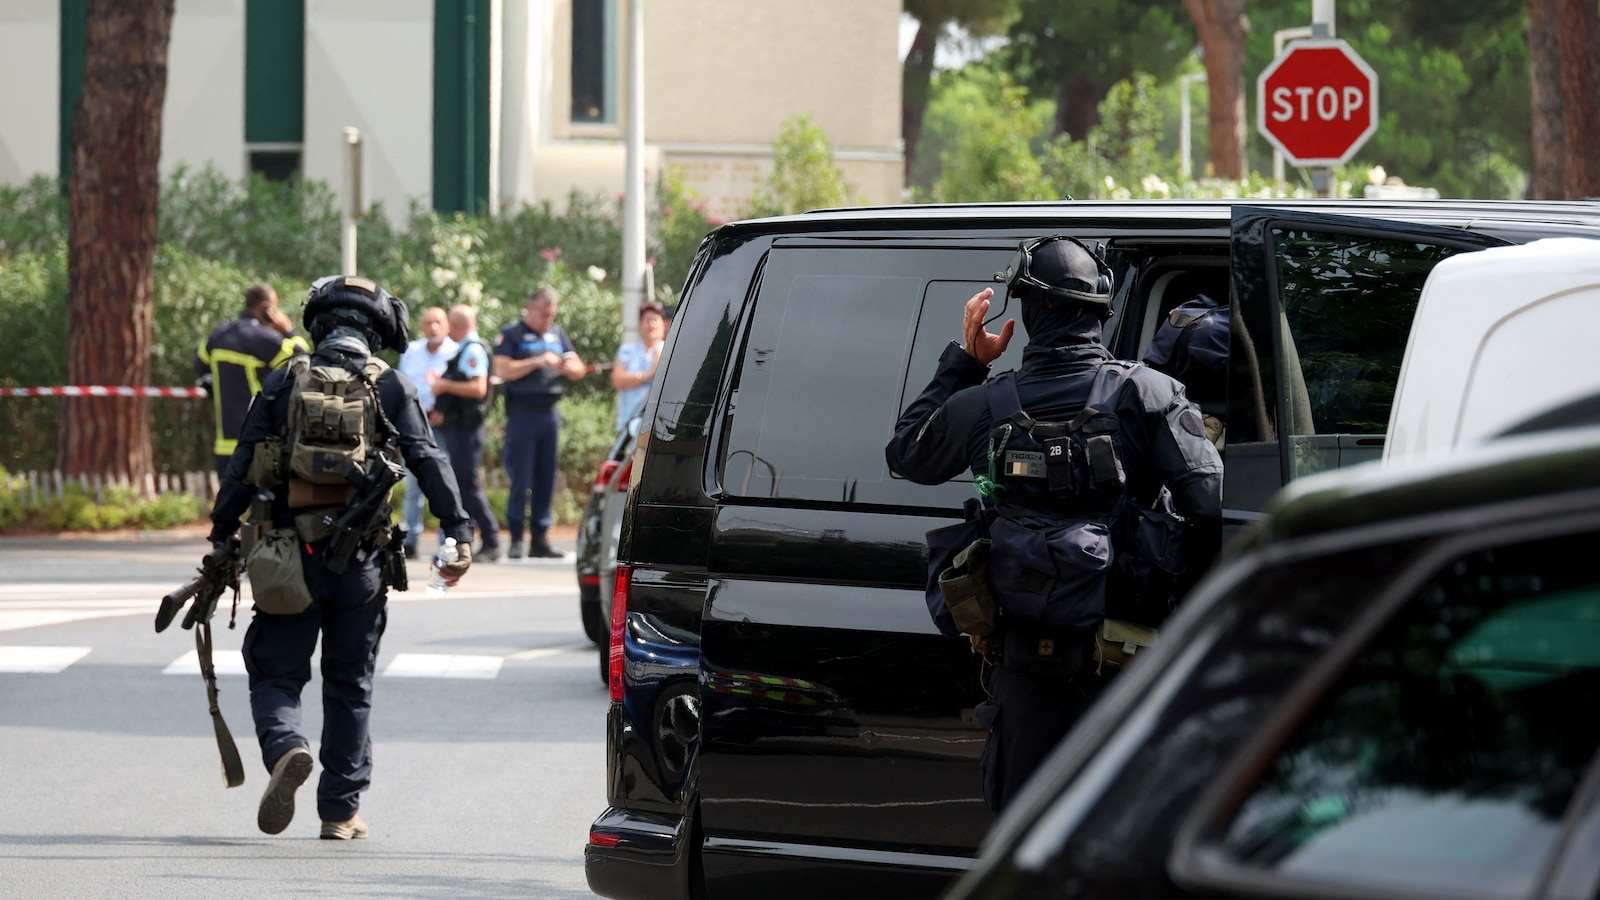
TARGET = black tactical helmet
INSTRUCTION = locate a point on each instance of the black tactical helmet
(350, 300)
(1059, 269)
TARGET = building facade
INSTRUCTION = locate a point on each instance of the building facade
(463, 103)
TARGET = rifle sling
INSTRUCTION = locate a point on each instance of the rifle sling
(232, 765)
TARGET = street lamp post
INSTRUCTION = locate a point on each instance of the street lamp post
(1185, 124)
(633, 202)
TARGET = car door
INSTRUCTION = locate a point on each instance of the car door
(1323, 309)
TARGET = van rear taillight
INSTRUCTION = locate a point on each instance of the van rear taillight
(625, 476)
(619, 618)
(603, 478)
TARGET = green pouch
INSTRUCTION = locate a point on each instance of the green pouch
(266, 465)
(277, 581)
(1116, 642)
(317, 525)
(966, 590)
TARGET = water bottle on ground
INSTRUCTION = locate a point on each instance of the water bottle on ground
(447, 554)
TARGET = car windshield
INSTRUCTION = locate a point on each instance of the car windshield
(1446, 756)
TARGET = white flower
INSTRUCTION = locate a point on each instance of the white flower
(465, 241)
(1376, 175)
(442, 277)
(597, 273)
(471, 292)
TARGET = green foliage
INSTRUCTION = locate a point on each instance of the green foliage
(978, 17)
(588, 429)
(13, 506)
(289, 229)
(684, 222)
(992, 126)
(33, 217)
(119, 506)
(803, 175)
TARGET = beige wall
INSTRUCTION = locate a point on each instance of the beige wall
(369, 64)
(202, 119)
(30, 70)
(721, 77)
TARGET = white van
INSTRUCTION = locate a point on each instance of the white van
(1502, 338)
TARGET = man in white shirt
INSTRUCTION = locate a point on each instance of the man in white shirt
(429, 353)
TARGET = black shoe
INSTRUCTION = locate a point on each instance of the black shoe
(411, 551)
(516, 550)
(489, 553)
(541, 549)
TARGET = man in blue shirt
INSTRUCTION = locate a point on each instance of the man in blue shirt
(535, 359)
(429, 353)
(460, 404)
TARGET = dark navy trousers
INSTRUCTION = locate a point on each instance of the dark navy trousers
(464, 446)
(532, 448)
(1027, 718)
(349, 611)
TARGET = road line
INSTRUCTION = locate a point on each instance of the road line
(44, 660)
(440, 665)
(227, 662)
(547, 652)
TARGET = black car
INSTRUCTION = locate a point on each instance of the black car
(1388, 691)
(786, 721)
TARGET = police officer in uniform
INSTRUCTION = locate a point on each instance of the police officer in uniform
(349, 318)
(1065, 290)
(234, 357)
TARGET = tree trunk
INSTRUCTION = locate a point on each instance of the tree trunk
(1222, 26)
(1078, 106)
(914, 79)
(1579, 24)
(1546, 133)
(111, 234)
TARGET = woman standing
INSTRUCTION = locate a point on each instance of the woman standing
(635, 365)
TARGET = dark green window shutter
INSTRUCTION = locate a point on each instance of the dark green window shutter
(461, 105)
(74, 16)
(274, 71)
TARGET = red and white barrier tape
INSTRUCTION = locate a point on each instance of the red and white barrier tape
(101, 391)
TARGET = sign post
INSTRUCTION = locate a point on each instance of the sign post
(1317, 103)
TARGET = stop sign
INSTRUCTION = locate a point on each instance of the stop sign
(1318, 102)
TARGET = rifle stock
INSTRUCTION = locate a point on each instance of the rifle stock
(219, 570)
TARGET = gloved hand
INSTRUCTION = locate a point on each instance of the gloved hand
(452, 573)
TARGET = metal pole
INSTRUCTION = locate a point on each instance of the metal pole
(1322, 26)
(1185, 124)
(1279, 38)
(633, 201)
(353, 207)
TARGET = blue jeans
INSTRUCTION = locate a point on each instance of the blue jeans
(350, 611)
(412, 506)
(532, 446)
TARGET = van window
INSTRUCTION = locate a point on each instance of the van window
(1444, 759)
(842, 338)
(1347, 302)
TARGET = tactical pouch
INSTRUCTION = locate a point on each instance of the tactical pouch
(1152, 562)
(1043, 653)
(965, 586)
(277, 581)
(1116, 642)
(266, 464)
(303, 494)
(317, 525)
(943, 546)
(1050, 571)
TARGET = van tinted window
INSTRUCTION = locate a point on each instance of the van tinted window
(841, 339)
(1347, 304)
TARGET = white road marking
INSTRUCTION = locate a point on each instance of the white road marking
(227, 662)
(547, 652)
(45, 660)
(440, 665)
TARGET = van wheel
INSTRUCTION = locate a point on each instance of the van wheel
(593, 628)
(605, 665)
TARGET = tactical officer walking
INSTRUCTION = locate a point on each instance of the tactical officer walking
(1045, 676)
(317, 456)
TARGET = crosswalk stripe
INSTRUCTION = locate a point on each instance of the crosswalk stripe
(440, 665)
(227, 662)
(43, 660)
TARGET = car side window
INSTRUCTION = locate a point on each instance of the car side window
(1347, 302)
(1444, 758)
(842, 338)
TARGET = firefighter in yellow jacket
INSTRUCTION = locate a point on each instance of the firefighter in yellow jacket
(235, 356)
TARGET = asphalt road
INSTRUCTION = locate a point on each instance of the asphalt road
(488, 731)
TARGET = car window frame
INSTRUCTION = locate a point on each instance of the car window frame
(1197, 860)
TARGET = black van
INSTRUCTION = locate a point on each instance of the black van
(785, 720)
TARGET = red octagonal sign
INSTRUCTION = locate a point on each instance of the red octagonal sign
(1318, 102)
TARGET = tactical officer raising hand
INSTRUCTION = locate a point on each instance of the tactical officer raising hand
(1077, 458)
(319, 452)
